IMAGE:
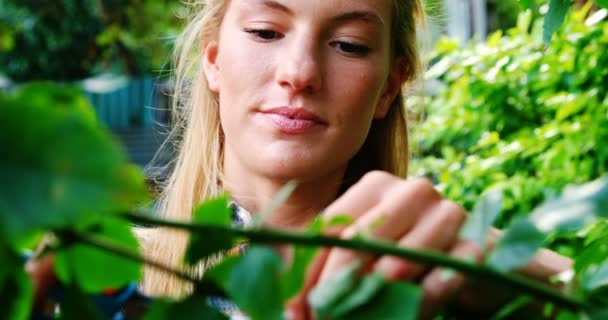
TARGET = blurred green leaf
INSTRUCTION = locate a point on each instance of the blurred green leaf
(396, 301)
(518, 245)
(212, 212)
(365, 290)
(325, 295)
(478, 223)
(602, 3)
(252, 282)
(575, 208)
(59, 168)
(16, 288)
(93, 269)
(193, 307)
(525, 4)
(595, 278)
(555, 17)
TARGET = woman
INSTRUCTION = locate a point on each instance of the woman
(270, 91)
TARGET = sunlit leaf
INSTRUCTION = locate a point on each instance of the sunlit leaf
(93, 269)
(518, 245)
(576, 207)
(396, 301)
(555, 17)
(480, 220)
(193, 307)
(58, 167)
(325, 295)
(212, 212)
(595, 278)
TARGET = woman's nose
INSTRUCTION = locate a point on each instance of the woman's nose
(300, 66)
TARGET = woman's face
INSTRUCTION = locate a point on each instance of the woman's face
(299, 82)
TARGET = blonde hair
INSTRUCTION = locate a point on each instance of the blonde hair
(197, 170)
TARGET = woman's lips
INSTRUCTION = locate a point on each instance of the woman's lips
(293, 120)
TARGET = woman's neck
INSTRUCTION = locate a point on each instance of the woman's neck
(255, 192)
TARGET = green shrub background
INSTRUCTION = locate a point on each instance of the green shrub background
(519, 115)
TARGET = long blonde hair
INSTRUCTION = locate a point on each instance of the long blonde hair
(197, 171)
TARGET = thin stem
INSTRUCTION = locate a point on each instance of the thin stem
(202, 286)
(531, 287)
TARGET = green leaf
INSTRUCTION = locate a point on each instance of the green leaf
(16, 288)
(396, 301)
(525, 4)
(595, 278)
(325, 295)
(509, 309)
(555, 17)
(193, 307)
(576, 207)
(58, 167)
(478, 223)
(278, 200)
(76, 305)
(365, 290)
(212, 212)
(292, 280)
(252, 282)
(602, 3)
(519, 244)
(93, 269)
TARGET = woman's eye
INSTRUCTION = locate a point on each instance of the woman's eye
(264, 34)
(352, 49)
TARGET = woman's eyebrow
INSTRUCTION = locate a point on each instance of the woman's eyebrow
(276, 6)
(367, 16)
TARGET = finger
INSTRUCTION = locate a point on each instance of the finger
(437, 231)
(395, 215)
(442, 285)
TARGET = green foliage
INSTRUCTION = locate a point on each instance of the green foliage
(132, 37)
(74, 169)
(516, 117)
(213, 212)
(481, 219)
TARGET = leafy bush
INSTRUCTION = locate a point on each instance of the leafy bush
(519, 115)
(73, 39)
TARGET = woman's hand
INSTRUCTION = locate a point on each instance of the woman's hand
(410, 213)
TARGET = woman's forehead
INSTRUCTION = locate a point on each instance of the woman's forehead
(367, 9)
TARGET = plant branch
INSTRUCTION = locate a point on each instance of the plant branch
(265, 236)
(201, 286)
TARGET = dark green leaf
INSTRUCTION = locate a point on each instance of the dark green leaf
(555, 17)
(58, 167)
(93, 269)
(602, 3)
(576, 207)
(595, 277)
(507, 312)
(325, 295)
(519, 244)
(365, 290)
(77, 305)
(595, 253)
(193, 307)
(16, 289)
(478, 223)
(396, 301)
(252, 282)
(212, 212)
